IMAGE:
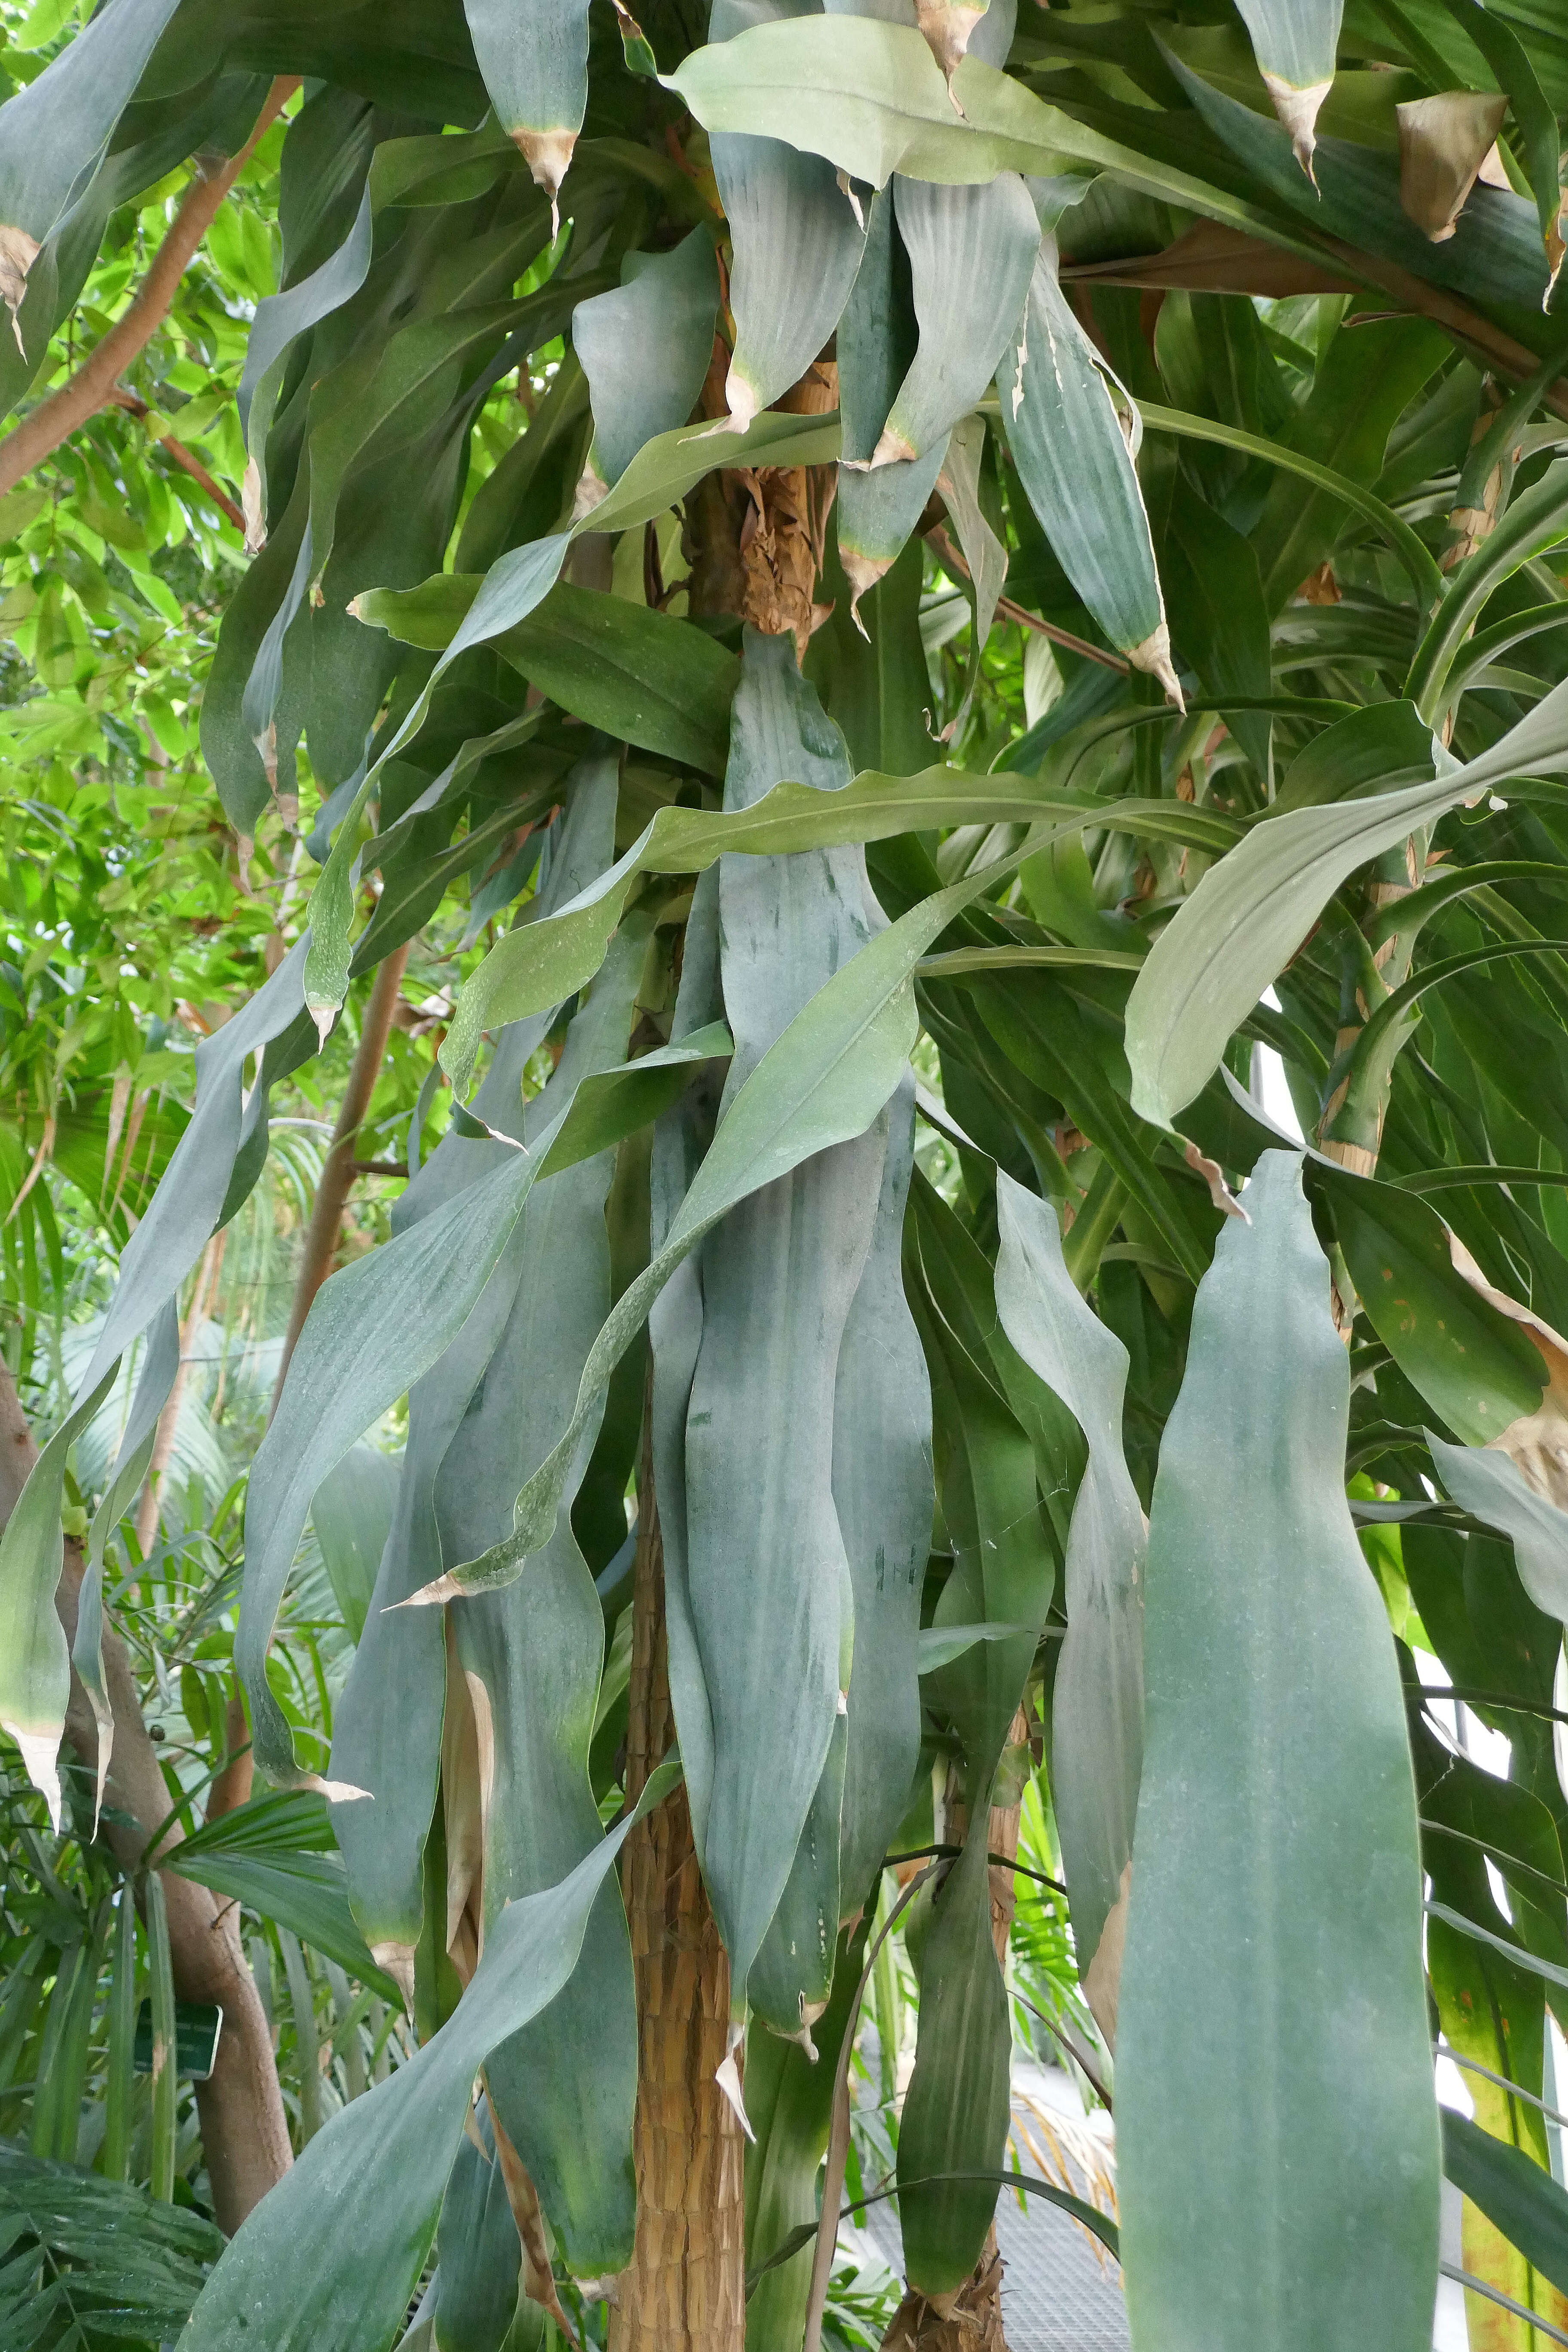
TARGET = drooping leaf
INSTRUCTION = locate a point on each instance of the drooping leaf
(379, 2167)
(54, 131)
(534, 55)
(1277, 1836)
(882, 1492)
(1067, 437)
(796, 248)
(1097, 1707)
(1294, 42)
(971, 252)
(956, 2110)
(645, 348)
(1251, 911)
(762, 1533)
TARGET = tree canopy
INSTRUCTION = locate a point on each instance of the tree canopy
(783, 1115)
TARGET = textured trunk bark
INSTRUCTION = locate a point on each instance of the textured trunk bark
(245, 2133)
(685, 2290)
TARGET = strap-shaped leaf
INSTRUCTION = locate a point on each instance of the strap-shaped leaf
(543, 963)
(1294, 42)
(877, 336)
(954, 2123)
(1276, 1845)
(278, 320)
(417, 1294)
(54, 132)
(823, 1083)
(478, 2255)
(1097, 1705)
(883, 1491)
(1065, 429)
(971, 252)
(534, 55)
(763, 1538)
(796, 248)
(563, 2089)
(35, 1668)
(646, 347)
(374, 2177)
(1251, 911)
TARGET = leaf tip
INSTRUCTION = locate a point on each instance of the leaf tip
(1298, 111)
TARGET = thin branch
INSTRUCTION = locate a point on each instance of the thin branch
(953, 562)
(338, 1175)
(134, 405)
(93, 385)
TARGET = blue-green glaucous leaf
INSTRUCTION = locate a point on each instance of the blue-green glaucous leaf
(1274, 2074)
(796, 248)
(54, 131)
(1295, 43)
(1253, 909)
(534, 55)
(373, 2177)
(779, 1275)
(1063, 415)
(1097, 1707)
(645, 348)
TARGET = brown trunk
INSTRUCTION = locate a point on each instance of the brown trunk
(685, 2290)
(754, 538)
(338, 1175)
(973, 2321)
(755, 543)
(245, 2134)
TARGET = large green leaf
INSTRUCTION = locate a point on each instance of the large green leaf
(1252, 911)
(797, 245)
(869, 95)
(882, 1492)
(821, 1083)
(1065, 432)
(779, 1275)
(1294, 42)
(530, 1656)
(543, 962)
(534, 55)
(373, 2177)
(54, 131)
(1097, 1705)
(35, 1666)
(646, 347)
(1523, 2201)
(417, 1294)
(971, 250)
(1276, 1845)
(955, 2115)
(478, 2253)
